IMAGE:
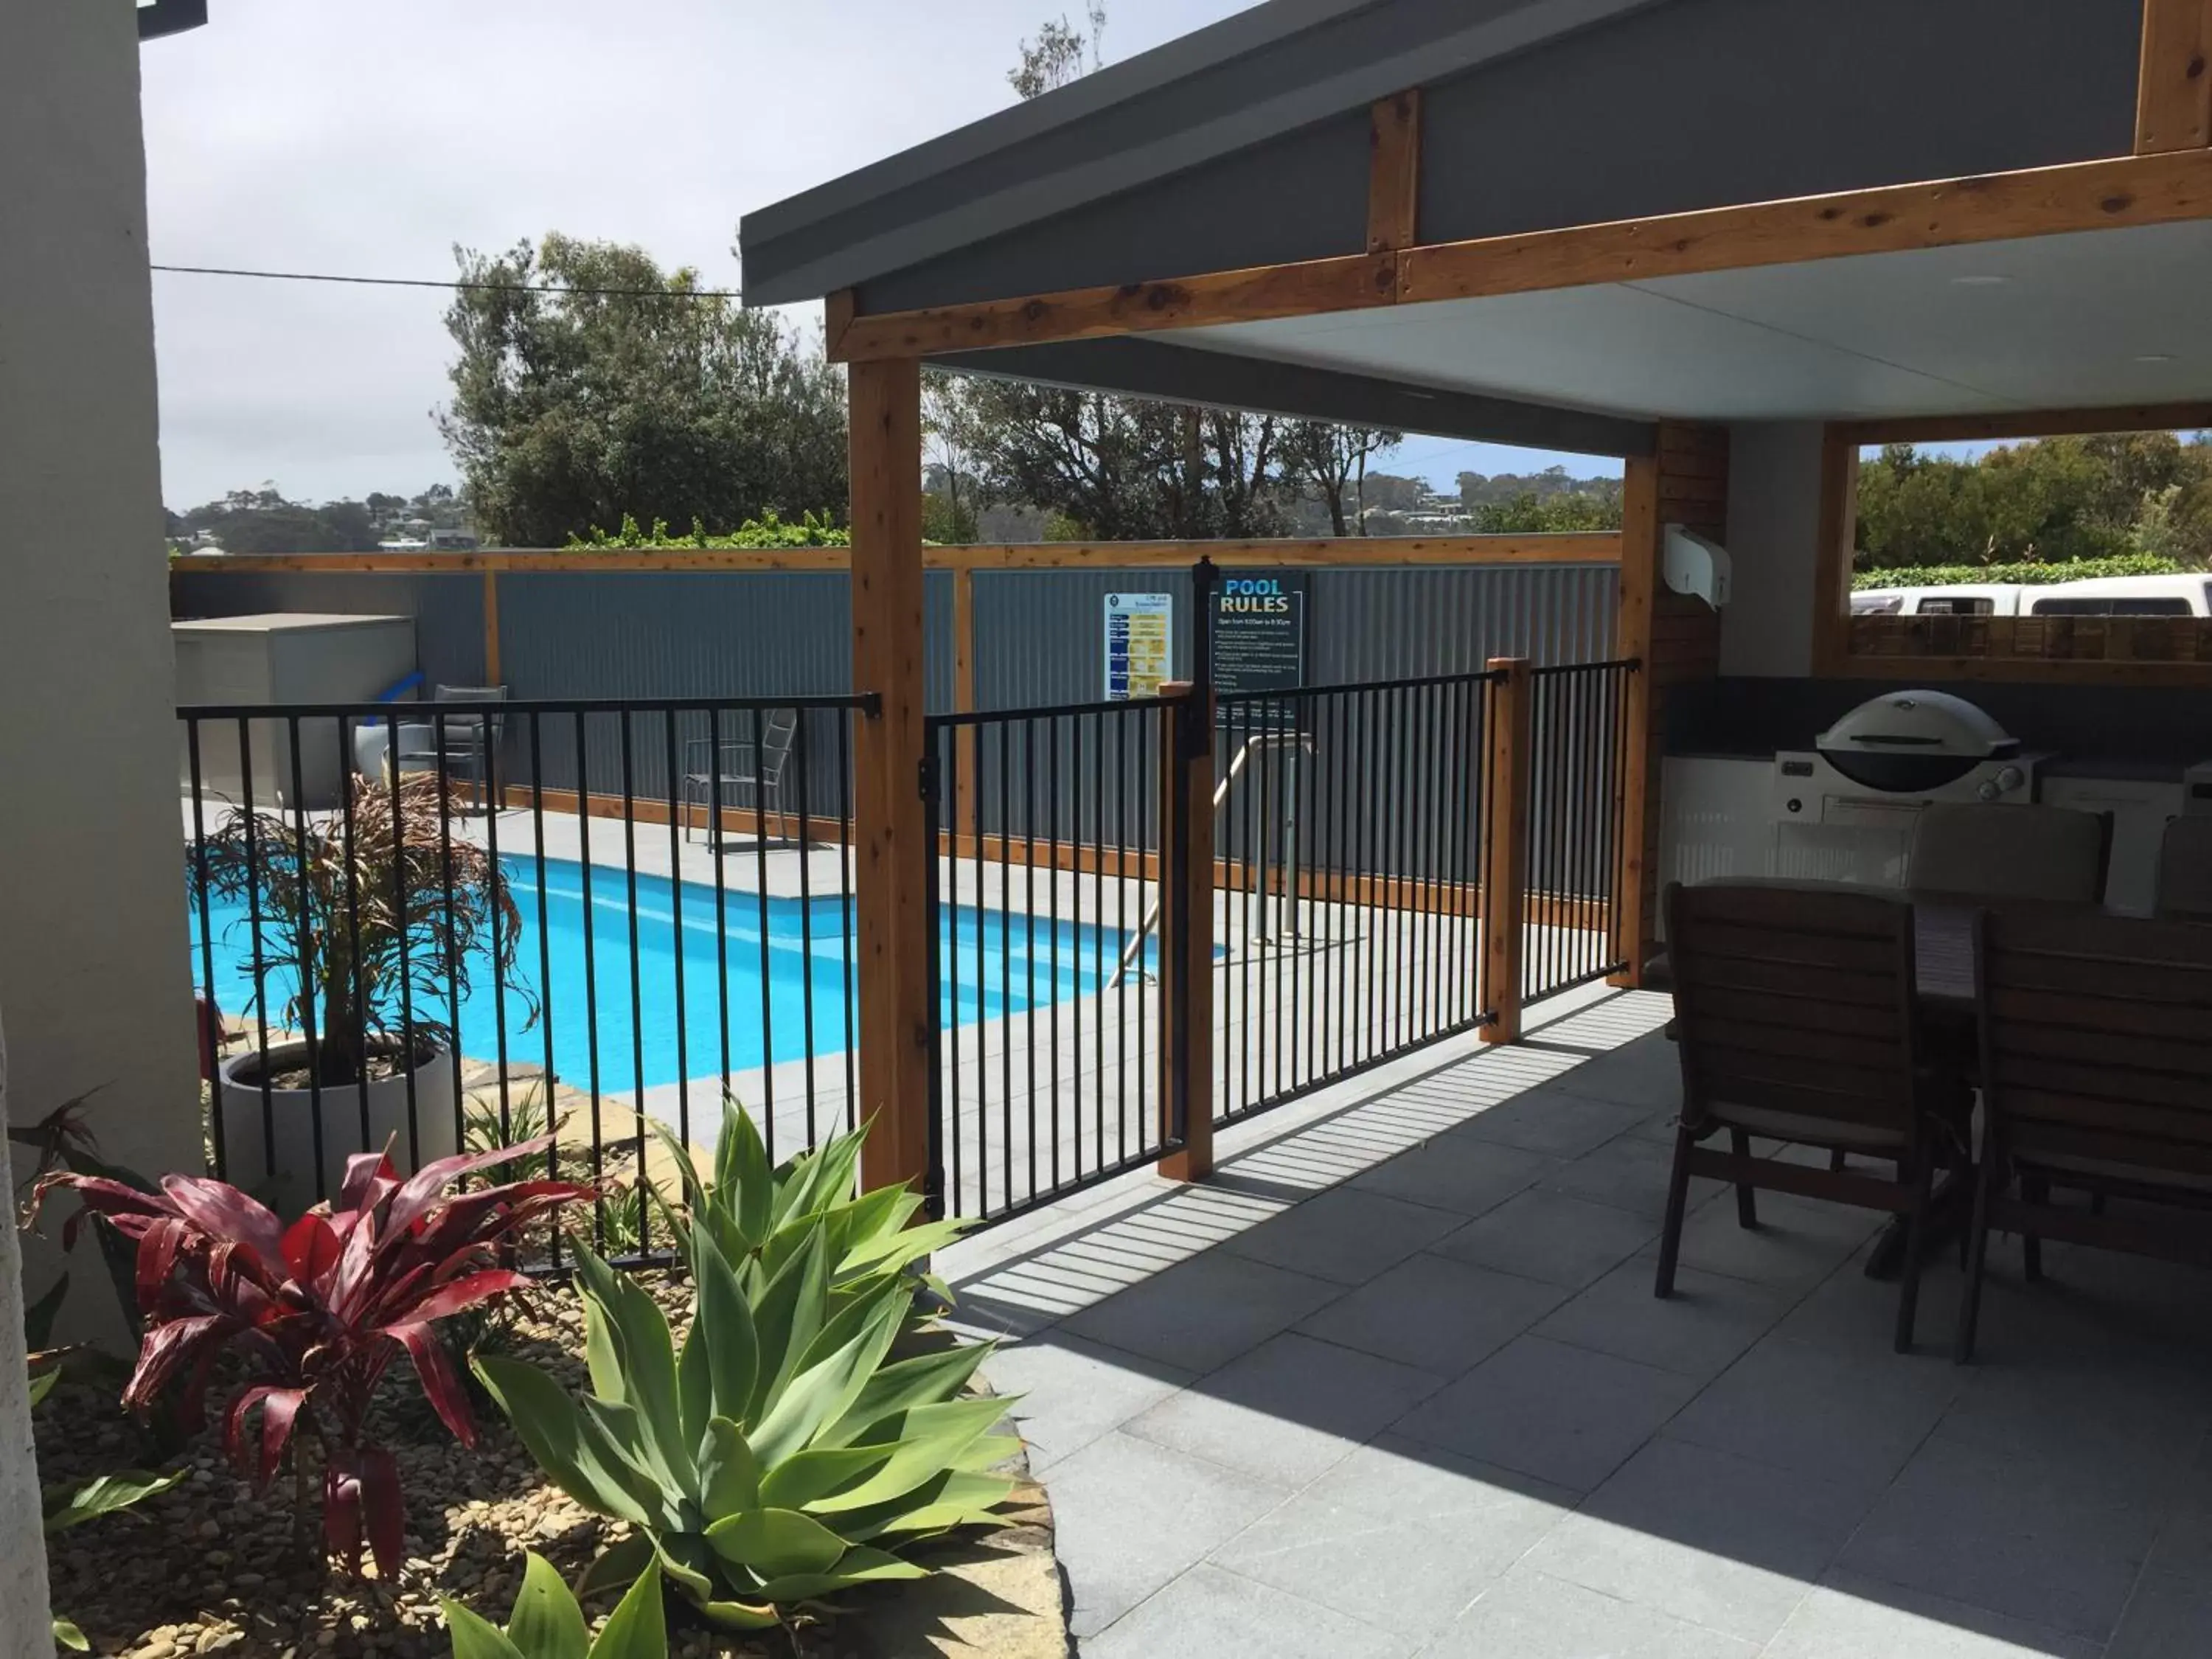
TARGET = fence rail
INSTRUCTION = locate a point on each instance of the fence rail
(393, 892)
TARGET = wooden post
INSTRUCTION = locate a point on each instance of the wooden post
(491, 627)
(2173, 91)
(964, 698)
(1186, 931)
(1639, 582)
(1394, 172)
(890, 828)
(1505, 848)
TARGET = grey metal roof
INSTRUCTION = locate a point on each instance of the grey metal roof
(1263, 72)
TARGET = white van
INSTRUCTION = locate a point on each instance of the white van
(2183, 595)
(1964, 600)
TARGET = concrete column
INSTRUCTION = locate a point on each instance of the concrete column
(1774, 532)
(93, 969)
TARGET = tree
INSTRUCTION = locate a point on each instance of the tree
(1060, 53)
(591, 384)
(1330, 460)
(2044, 501)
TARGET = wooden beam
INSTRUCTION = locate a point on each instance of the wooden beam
(1639, 765)
(1186, 975)
(1380, 552)
(1505, 848)
(1837, 535)
(1394, 172)
(838, 310)
(2173, 89)
(2028, 423)
(1597, 547)
(890, 826)
(2077, 195)
(1347, 282)
(491, 627)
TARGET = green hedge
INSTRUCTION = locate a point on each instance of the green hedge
(771, 532)
(2030, 575)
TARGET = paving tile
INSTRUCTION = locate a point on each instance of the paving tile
(1848, 1418)
(1397, 1478)
(2168, 1617)
(1344, 1235)
(1074, 1391)
(1551, 1122)
(1287, 1410)
(1798, 1243)
(1630, 1173)
(1979, 1527)
(1646, 1072)
(1564, 1240)
(1204, 1312)
(1709, 1537)
(1849, 1618)
(1560, 1414)
(1529, 1615)
(1700, 1331)
(1442, 1315)
(1219, 1614)
(2127, 1435)
(1459, 1173)
(1400, 1575)
(1130, 1515)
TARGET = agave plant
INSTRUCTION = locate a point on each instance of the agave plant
(759, 1217)
(780, 1455)
(547, 1623)
(317, 1311)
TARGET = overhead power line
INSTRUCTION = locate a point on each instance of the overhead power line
(450, 283)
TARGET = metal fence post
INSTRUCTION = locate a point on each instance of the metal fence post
(1505, 848)
(1185, 870)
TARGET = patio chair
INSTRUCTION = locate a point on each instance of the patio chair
(747, 769)
(471, 741)
(2184, 870)
(1974, 850)
(1795, 1019)
(2096, 1071)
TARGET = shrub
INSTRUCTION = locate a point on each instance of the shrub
(317, 1310)
(780, 1457)
(2032, 574)
(810, 531)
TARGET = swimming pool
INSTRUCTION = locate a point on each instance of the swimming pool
(777, 996)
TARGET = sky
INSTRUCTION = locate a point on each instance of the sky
(369, 140)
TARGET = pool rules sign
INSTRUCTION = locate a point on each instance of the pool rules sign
(1260, 638)
(1140, 644)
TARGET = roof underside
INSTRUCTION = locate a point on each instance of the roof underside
(1247, 145)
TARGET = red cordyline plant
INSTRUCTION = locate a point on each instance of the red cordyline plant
(318, 1310)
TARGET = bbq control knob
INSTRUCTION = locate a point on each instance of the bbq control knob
(1796, 805)
(2004, 783)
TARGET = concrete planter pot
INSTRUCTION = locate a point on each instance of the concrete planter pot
(282, 1175)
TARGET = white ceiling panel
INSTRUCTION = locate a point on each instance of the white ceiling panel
(2103, 318)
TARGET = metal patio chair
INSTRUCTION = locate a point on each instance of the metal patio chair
(747, 770)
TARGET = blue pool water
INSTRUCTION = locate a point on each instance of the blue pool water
(1025, 962)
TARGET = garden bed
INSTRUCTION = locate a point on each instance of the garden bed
(210, 1565)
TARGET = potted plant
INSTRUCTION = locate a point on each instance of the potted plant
(371, 923)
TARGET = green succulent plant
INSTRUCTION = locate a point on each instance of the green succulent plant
(547, 1623)
(781, 1455)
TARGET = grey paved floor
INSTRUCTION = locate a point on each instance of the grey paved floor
(1396, 1384)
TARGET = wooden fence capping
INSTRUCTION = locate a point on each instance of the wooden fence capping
(1185, 932)
(890, 826)
(1505, 848)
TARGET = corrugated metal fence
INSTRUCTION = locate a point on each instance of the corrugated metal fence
(1039, 633)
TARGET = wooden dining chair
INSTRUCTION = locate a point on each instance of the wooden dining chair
(1976, 849)
(2096, 1045)
(1795, 1019)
